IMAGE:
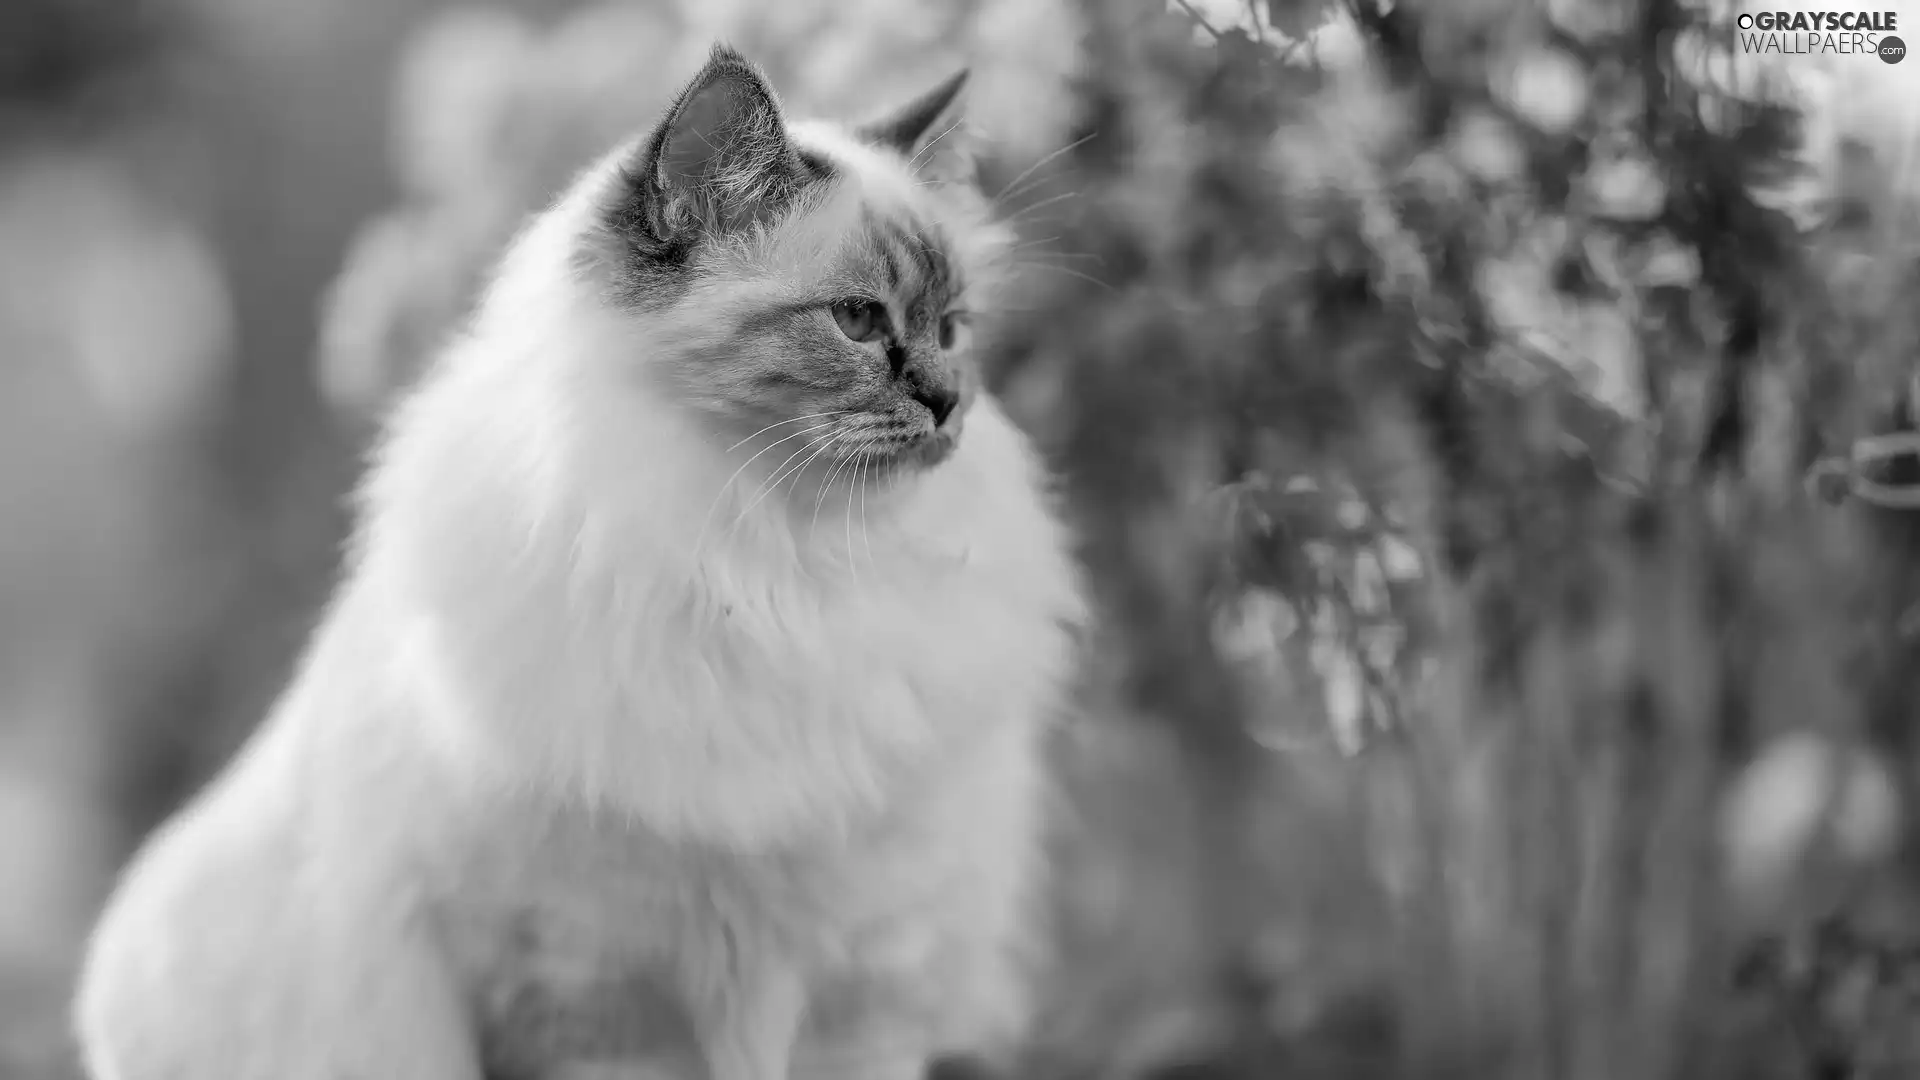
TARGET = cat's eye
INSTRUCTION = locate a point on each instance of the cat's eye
(953, 327)
(860, 320)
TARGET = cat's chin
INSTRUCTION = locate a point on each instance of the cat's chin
(923, 453)
(909, 461)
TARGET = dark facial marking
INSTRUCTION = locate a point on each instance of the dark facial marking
(913, 258)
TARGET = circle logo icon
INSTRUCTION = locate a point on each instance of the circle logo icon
(1892, 49)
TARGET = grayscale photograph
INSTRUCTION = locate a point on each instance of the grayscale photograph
(959, 540)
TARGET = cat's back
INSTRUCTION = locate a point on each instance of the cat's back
(170, 970)
(237, 924)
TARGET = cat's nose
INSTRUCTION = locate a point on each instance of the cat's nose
(939, 400)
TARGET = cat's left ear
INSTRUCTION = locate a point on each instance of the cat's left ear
(928, 131)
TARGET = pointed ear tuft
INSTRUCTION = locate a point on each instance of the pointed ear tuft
(720, 158)
(925, 130)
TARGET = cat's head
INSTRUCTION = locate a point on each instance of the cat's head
(807, 282)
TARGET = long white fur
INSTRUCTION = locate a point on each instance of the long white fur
(575, 678)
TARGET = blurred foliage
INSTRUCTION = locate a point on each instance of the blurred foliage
(1516, 286)
(1468, 407)
(52, 51)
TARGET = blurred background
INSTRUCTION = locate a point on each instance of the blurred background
(1483, 418)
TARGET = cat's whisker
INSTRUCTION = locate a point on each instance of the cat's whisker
(788, 469)
(699, 540)
(772, 482)
(1036, 242)
(1038, 258)
(866, 536)
(858, 469)
(825, 446)
(1070, 272)
(931, 143)
(783, 423)
(1027, 211)
(1038, 246)
(798, 471)
(1008, 190)
(827, 487)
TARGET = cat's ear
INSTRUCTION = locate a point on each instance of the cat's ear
(928, 131)
(721, 156)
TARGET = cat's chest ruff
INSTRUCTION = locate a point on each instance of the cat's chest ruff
(927, 630)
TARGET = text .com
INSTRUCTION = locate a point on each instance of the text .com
(1823, 33)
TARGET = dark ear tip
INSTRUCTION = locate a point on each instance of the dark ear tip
(955, 85)
(728, 68)
(725, 59)
(905, 129)
(726, 64)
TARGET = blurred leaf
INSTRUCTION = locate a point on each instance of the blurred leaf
(1298, 18)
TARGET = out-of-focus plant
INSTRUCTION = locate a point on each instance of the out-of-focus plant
(1524, 280)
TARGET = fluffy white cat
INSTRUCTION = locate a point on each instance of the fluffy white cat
(681, 704)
